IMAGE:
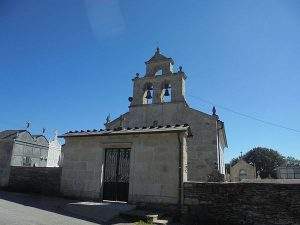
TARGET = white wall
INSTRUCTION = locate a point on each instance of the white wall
(54, 153)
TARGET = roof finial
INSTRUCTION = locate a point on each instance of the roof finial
(108, 119)
(28, 123)
(56, 133)
(214, 111)
(157, 50)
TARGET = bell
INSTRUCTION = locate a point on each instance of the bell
(148, 96)
(167, 92)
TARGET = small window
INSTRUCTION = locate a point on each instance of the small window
(159, 72)
(27, 161)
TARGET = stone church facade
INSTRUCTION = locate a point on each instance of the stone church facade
(148, 153)
(206, 148)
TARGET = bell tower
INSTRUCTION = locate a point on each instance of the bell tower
(159, 100)
(160, 84)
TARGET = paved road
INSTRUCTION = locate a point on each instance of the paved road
(22, 209)
(17, 214)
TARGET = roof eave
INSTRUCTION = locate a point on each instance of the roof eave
(128, 132)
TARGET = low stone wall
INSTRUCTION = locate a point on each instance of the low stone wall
(242, 203)
(42, 180)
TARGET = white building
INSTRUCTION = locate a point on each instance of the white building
(54, 153)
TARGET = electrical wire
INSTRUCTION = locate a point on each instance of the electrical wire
(246, 115)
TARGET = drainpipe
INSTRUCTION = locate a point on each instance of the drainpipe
(180, 173)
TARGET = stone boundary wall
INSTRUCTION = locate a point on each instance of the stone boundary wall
(242, 203)
(42, 180)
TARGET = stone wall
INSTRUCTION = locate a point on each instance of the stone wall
(242, 203)
(82, 168)
(5, 157)
(41, 180)
(35, 148)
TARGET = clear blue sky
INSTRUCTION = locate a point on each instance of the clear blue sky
(66, 64)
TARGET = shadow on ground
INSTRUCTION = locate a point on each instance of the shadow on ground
(97, 212)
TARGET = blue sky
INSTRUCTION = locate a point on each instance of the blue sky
(66, 64)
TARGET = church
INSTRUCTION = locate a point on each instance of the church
(147, 153)
(159, 99)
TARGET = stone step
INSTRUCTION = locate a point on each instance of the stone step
(160, 222)
(144, 215)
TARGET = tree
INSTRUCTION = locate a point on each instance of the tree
(264, 159)
(291, 161)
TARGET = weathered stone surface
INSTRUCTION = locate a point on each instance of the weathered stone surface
(34, 147)
(244, 203)
(242, 170)
(42, 180)
(206, 147)
(154, 166)
(5, 157)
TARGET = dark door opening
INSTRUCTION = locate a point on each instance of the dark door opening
(116, 174)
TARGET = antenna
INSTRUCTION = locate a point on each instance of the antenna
(43, 130)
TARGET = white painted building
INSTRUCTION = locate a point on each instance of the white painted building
(54, 153)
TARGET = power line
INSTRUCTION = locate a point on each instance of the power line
(245, 115)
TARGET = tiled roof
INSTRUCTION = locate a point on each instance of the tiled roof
(129, 130)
